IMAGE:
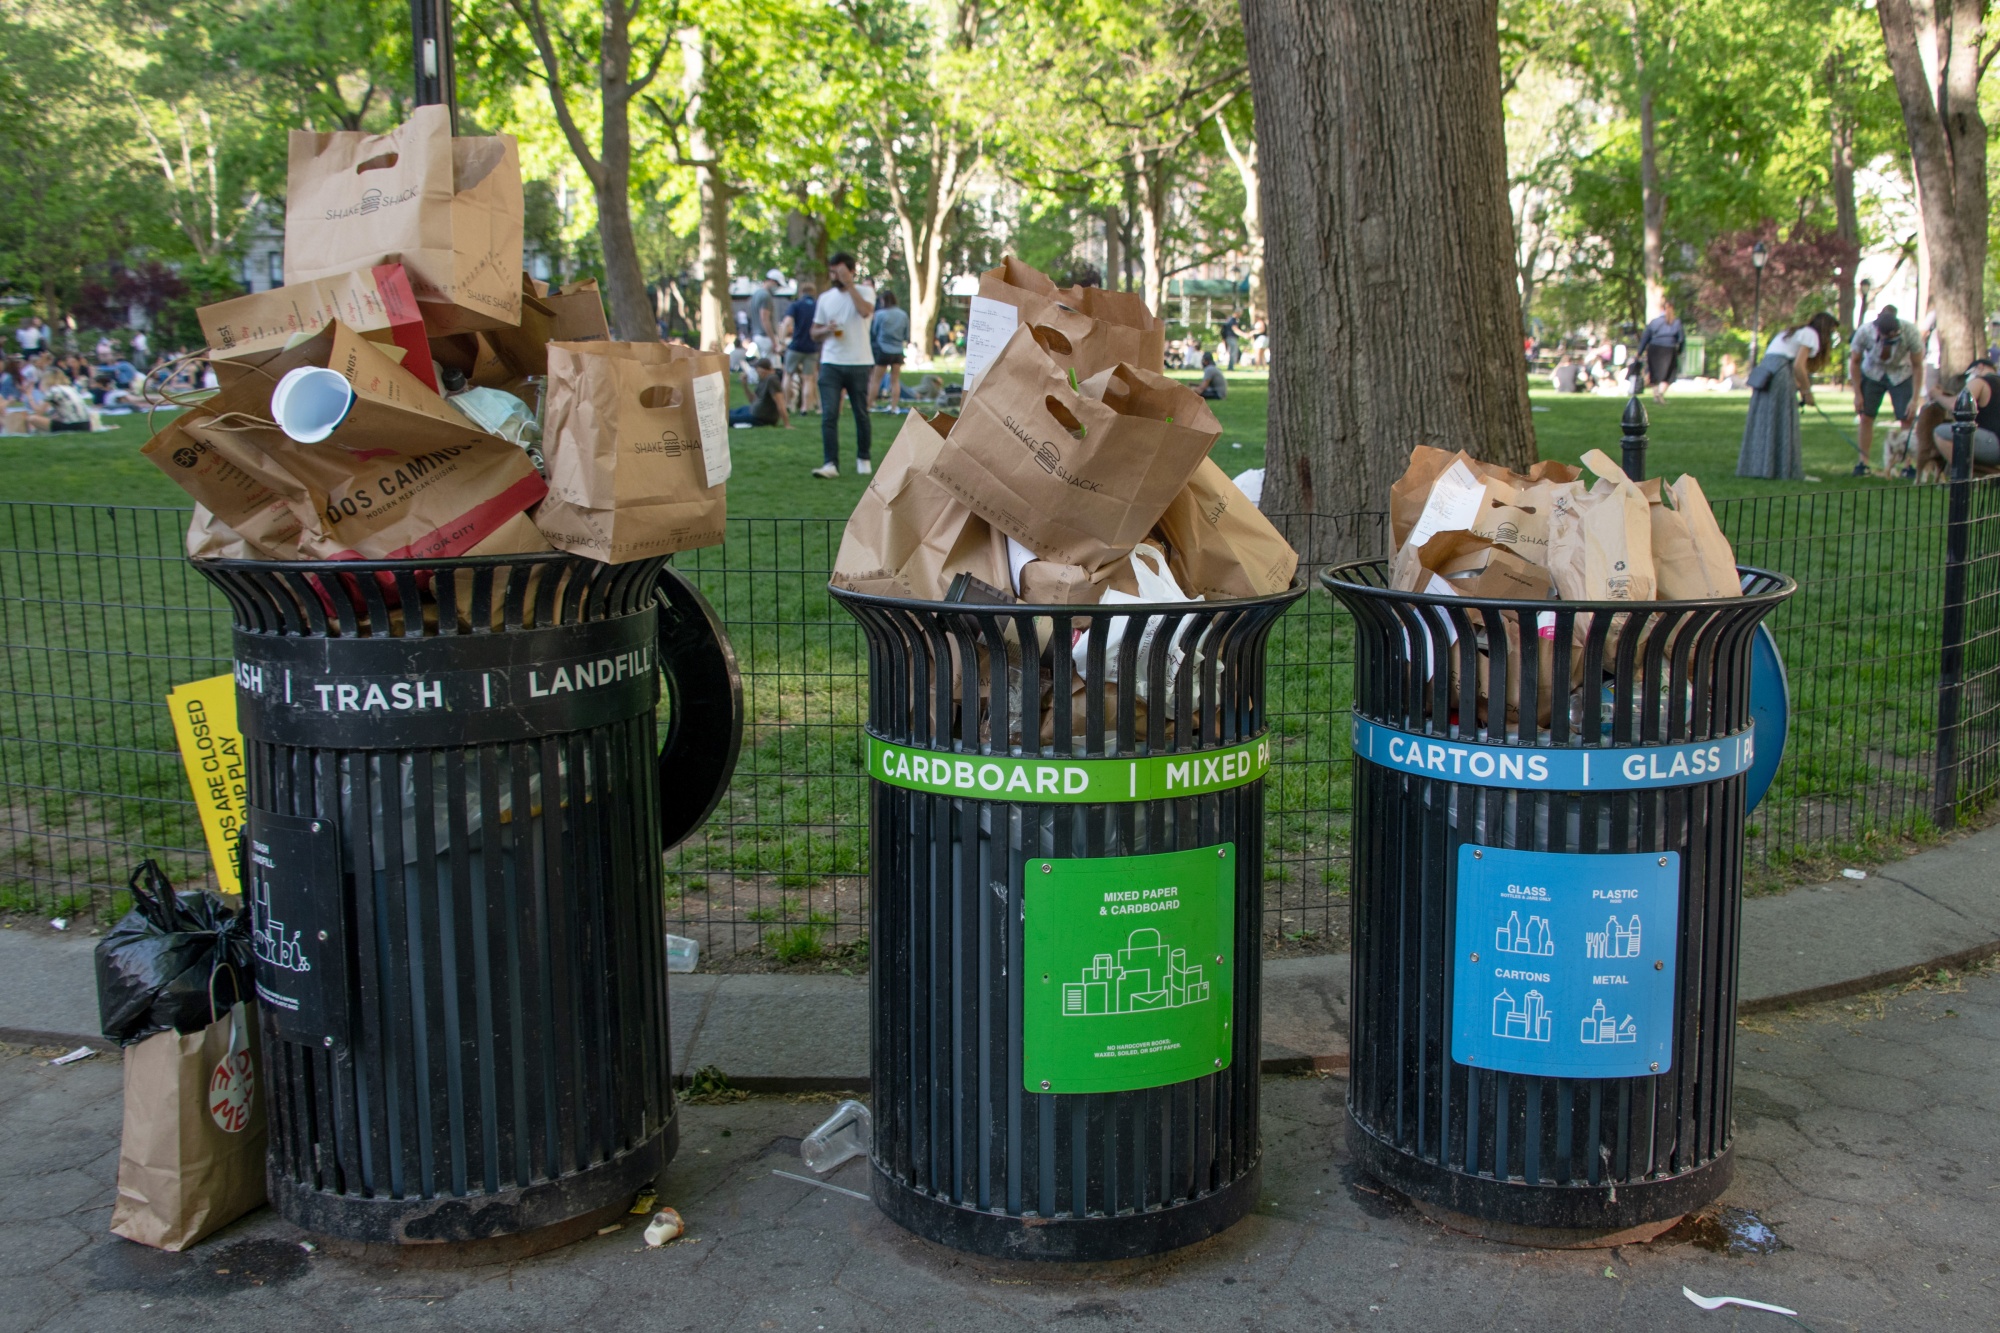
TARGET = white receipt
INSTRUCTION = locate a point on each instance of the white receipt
(1018, 558)
(987, 330)
(1453, 504)
(711, 416)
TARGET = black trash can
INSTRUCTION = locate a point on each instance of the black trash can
(1066, 884)
(1548, 854)
(453, 861)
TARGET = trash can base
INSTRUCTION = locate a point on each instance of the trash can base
(482, 1228)
(1067, 1239)
(1545, 1238)
(1492, 1207)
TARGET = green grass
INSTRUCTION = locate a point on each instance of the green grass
(785, 853)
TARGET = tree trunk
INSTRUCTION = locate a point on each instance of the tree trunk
(1114, 250)
(1935, 55)
(718, 325)
(1390, 250)
(1244, 157)
(1841, 178)
(1653, 205)
(1150, 177)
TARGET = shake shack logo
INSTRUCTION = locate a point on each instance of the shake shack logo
(371, 201)
(669, 443)
(1049, 458)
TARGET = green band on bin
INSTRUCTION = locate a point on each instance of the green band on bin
(998, 777)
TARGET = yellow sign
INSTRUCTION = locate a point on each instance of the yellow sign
(212, 748)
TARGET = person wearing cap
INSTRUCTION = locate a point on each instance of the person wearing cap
(1882, 359)
(764, 313)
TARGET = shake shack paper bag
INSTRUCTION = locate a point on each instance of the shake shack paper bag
(1106, 327)
(449, 208)
(908, 536)
(1690, 555)
(1078, 474)
(376, 302)
(636, 436)
(1220, 545)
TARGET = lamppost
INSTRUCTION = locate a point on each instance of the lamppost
(1861, 314)
(1759, 256)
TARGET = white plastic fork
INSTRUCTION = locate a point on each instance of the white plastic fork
(1717, 1302)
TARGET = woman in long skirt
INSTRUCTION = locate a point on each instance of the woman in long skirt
(1771, 433)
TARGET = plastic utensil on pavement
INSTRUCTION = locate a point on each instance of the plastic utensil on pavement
(1717, 1302)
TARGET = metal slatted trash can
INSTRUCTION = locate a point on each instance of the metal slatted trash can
(453, 864)
(1066, 879)
(1548, 852)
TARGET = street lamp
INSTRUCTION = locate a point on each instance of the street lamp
(1759, 256)
(1861, 315)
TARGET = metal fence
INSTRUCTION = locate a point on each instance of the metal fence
(100, 615)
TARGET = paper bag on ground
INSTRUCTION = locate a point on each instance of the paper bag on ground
(1220, 545)
(1691, 557)
(376, 302)
(191, 1159)
(451, 209)
(1077, 475)
(908, 537)
(636, 436)
(1118, 325)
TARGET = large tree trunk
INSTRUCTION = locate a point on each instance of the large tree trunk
(1244, 157)
(1652, 204)
(718, 325)
(1114, 248)
(1935, 52)
(1390, 251)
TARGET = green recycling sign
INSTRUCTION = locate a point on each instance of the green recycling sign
(1130, 964)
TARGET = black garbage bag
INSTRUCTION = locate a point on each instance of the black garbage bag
(177, 962)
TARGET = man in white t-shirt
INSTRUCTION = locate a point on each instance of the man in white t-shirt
(840, 327)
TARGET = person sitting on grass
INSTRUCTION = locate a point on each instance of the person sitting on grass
(1982, 381)
(1213, 385)
(767, 401)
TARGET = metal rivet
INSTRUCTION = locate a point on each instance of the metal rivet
(315, 826)
(1218, 1062)
(1478, 855)
(322, 937)
(1218, 958)
(1656, 1066)
(1222, 851)
(1659, 965)
(1045, 1085)
(1663, 860)
(1045, 978)
(1475, 958)
(1046, 867)
(326, 1042)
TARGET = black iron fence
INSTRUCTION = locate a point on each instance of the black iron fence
(100, 615)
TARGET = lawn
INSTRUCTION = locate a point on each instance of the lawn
(785, 856)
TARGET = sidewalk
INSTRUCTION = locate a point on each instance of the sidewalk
(782, 1032)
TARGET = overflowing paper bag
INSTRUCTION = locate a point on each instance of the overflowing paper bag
(376, 302)
(636, 436)
(1076, 472)
(449, 208)
(1102, 328)
(1220, 544)
(908, 535)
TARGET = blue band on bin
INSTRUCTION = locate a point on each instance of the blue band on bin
(1555, 768)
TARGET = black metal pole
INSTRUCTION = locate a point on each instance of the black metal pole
(1951, 652)
(1632, 440)
(431, 45)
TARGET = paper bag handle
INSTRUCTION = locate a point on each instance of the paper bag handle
(660, 395)
(1064, 417)
(380, 162)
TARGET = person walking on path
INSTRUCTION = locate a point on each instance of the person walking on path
(1883, 359)
(764, 314)
(1781, 382)
(889, 334)
(1660, 348)
(840, 327)
(1232, 339)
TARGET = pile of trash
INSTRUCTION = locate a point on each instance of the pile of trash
(411, 393)
(1075, 473)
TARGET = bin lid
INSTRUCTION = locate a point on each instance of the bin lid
(1770, 711)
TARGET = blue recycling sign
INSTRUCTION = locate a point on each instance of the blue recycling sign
(1564, 963)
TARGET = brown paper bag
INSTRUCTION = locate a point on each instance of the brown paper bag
(1690, 555)
(376, 302)
(1220, 545)
(1107, 327)
(1601, 542)
(636, 436)
(451, 209)
(191, 1160)
(1077, 475)
(1052, 583)
(908, 537)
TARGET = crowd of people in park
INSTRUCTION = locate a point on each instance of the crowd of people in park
(44, 390)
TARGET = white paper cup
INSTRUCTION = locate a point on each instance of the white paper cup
(310, 402)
